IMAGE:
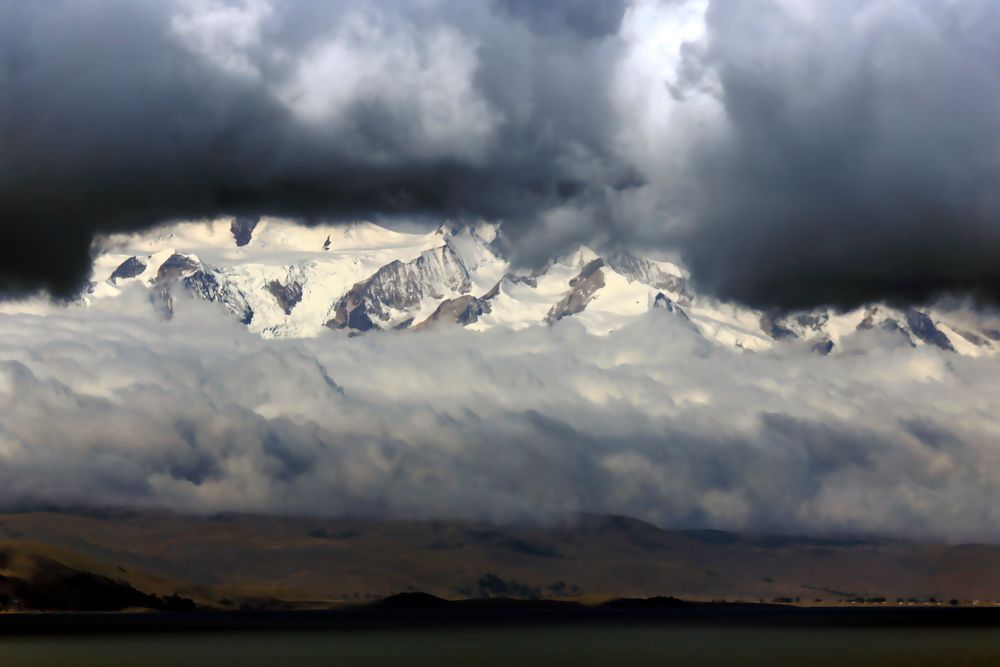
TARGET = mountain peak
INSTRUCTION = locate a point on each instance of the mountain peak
(286, 280)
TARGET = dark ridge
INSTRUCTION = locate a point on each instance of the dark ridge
(582, 290)
(924, 329)
(53, 586)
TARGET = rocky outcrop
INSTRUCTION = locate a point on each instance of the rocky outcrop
(923, 328)
(130, 268)
(398, 287)
(813, 320)
(582, 290)
(770, 325)
(287, 295)
(463, 310)
(530, 281)
(664, 302)
(912, 325)
(206, 285)
(649, 273)
(176, 266)
(242, 230)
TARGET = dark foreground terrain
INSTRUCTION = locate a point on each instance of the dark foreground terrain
(120, 560)
(154, 589)
(429, 632)
(422, 612)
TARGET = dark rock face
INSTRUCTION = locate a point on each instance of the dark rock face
(242, 230)
(582, 290)
(203, 285)
(664, 302)
(772, 328)
(206, 286)
(130, 268)
(469, 309)
(176, 266)
(463, 310)
(923, 328)
(348, 305)
(399, 286)
(287, 296)
(358, 320)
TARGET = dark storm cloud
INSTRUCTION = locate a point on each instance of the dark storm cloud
(795, 152)
(117, 115)
(863, 157)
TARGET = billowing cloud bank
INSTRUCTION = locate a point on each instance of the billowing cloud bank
(197, 414)
(796, 152)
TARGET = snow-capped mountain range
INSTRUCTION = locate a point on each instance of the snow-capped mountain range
(285, 280)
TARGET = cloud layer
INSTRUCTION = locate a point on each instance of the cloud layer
(794, 152)
(198, 414)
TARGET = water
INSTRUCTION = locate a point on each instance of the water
(523, 647)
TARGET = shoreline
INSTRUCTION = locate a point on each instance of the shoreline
(436, 614)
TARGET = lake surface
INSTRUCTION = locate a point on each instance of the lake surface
(523, 647)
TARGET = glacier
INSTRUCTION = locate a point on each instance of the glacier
(285, 280)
